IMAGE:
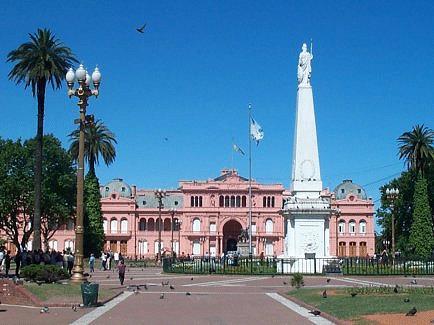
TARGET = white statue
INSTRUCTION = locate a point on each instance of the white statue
(304, 68)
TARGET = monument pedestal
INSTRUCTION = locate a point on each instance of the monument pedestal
(243, 249)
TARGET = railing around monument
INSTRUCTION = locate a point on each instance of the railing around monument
(276, 266)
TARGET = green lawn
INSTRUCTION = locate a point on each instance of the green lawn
(65, 293)
(340, 304)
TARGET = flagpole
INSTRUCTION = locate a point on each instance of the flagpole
(250, 181)
(232, 155)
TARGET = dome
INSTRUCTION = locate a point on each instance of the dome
(117, 185)
(348, 187)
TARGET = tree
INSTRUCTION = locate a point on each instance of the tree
(16, 192)
(44, 59)
(98, 141)
(58, 186)
(416, 147)
(421, 236)
(93, 225)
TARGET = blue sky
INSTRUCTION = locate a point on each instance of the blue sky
(191, 75)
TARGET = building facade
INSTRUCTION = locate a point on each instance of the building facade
(207, 217)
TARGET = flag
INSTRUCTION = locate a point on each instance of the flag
(256, 131)
(238, 149)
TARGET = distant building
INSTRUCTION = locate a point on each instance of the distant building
(208, 216)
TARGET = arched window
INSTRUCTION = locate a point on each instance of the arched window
(52, 244)
(124, 226)
(352, 227)
(341, 227)
(362, 227)
(159, 224)
(142, 224)
(151, 224)
(232, 201)
(200, 201)
(196, 201)
(69, 245)
(166, 225)
(238, 201)
(192, 201)
(264, 201)
(268, 202)
(221, 201)
(196, 224)
(104, 225)
(269, 226)
(243, 201)
(113, 226)
(272, 201)
(226, 201)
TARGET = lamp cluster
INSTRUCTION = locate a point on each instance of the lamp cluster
(84, 79)
(392, 193)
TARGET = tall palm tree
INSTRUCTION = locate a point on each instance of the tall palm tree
(98, 141)
(44, 59)
(416, 147)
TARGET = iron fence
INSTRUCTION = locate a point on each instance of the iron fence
(270, 266)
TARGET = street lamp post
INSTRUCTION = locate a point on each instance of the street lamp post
(392, 194)
(159, 194)
(172, 212)
(83, 92)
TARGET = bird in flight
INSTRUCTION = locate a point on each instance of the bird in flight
(141, 29)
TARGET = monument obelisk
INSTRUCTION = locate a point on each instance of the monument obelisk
(306, 212)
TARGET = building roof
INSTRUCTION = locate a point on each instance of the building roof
(147, 200)
(348, 187)
(117, 185)
(226, 173)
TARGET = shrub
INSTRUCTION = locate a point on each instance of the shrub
(297, 280)
(44, 273)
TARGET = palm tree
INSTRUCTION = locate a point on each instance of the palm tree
(44, 59)
(416, 147)
(98, 141)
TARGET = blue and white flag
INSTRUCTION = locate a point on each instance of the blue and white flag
(256, 131)
(238, 149)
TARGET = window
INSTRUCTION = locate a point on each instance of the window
(253, 228)
(192, 201)
(269, 248)
(272, 201)
(226, 201)
(176, 202)
(196, 247)
(123, 189)
(176, 247)
(212, 227)
(238, 201)
(151, 224)
(143, 247)
(342, 190)
(200, 201)
(232, 201)
(69, 245)
(114, 226)
(359, 191)
(156, 247)
(362, 227)
(243, 201)
(264, 201)
(221, 201)
(144, 202)
(196, 224)
(352, 227)
(196, 201)
(269, 226)
(341, 227)
(142, 224)
(268, 202)
(159, 224)
(104, 225)
(167, 224)
(124, 226)
(52, 244)
(107, 189)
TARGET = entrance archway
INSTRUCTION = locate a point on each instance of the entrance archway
(231, 231)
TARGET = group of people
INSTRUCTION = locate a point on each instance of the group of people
(110, 259)
(63, 259)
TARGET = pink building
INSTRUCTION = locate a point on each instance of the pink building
(207, 217)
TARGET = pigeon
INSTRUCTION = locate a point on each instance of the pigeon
(146, 287)
(131, 278)
(324, 294)
(142, 269)
(172, 287)
(188, 294)
(191, 279)
(141, 29)
(328, 280)
(285, 283)
(353, 294)
(407, 300)
(162, 283)
(108, 277)
(44, 310)
(166, 139)
(411, 312)
(315, 312)
(395, 290)
(413, 281)
(74, 308)
(162, 296)
(273, 276)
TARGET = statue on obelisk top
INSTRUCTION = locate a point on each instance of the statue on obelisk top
(304, 67)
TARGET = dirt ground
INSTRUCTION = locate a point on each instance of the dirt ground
(423, 317)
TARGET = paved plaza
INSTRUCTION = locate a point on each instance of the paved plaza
(213, 299)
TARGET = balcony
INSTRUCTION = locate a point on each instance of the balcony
(118, 235)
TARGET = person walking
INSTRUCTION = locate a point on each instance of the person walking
(70, 259)
(7, 259)
(121, 269)
(103, 261)
(116, 258)
(17, 260)
(92, 263)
